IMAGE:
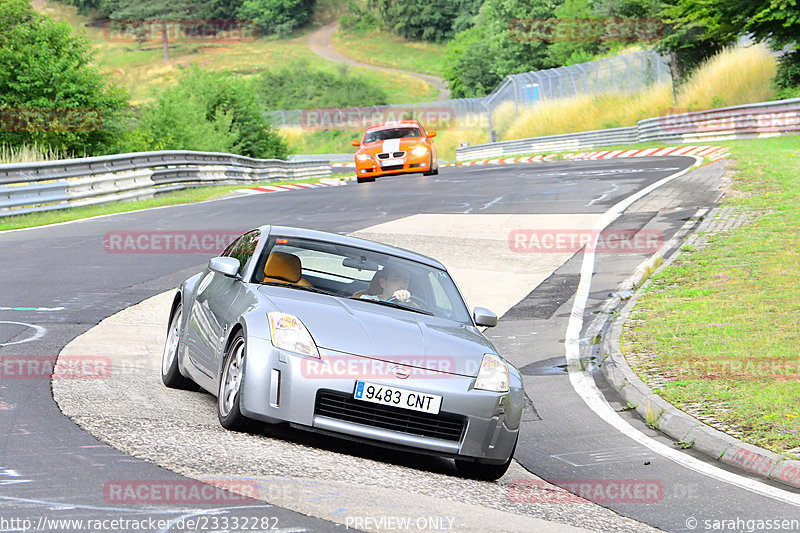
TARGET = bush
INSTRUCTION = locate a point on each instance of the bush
(210, 111)
(299, 87)
(787, 79)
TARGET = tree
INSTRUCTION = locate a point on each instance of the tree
(499, 44)
(160, 12)
(715, 23)
(429, 20)
(277, 16)
(49, 92)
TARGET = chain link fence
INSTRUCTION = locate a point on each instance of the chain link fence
(630, 72)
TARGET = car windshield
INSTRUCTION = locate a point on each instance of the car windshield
(366, 275)
(392, 133)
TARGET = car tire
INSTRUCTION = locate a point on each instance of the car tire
(230, 387)
(170, 372)
(370, 179)
(484, 471)
(432, 171)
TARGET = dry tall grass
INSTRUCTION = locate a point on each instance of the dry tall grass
(589, 112)
(472, 129)
(735, 76)
(30, 153)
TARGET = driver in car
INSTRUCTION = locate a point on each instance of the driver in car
(390, 282)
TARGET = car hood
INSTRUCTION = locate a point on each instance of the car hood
(372, 330)
(393, 145)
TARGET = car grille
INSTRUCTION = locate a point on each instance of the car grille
(392, 167)
(387, 155)
(344, 407)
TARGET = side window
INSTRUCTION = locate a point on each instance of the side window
(230, 247)
(244, 248)
(442, 301)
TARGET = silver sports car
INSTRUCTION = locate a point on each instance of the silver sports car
(347, 337)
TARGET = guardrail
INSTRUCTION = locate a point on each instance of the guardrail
(552, 143)
(49, 185)
(727, 123)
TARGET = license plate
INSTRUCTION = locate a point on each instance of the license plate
(404, 398)
(390, 162)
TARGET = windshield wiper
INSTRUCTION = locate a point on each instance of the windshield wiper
(300, 287)
(396, 305)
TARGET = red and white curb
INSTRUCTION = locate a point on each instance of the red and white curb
(324, 182)
(506, 160)
(712, 153)
(709, 153)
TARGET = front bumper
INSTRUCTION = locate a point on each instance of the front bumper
(283, 387)
(411, 164)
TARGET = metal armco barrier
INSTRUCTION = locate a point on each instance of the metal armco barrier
(551, 143)
(44, 186)
(737, 122)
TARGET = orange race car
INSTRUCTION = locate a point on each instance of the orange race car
(395, 148)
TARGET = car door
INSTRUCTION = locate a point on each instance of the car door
(216, 292)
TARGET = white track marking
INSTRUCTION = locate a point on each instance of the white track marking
(584, 385)
(39, 332)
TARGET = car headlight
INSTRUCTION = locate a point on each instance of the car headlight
(288, 333)
(363, 157)
(419, 150)
(493, 375)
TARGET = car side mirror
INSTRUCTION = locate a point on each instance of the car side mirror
(355, 143)
(431, 134)
(227, 266)
(484, 317)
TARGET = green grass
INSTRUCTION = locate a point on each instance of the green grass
(721, 323)
(378, 47)
(141, 68)
(186, 196)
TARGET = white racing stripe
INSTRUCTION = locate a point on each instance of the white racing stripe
(391, 145)
(584, 385)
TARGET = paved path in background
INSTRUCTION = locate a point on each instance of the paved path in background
(320, 43)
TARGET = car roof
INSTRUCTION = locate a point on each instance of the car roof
(288, 231)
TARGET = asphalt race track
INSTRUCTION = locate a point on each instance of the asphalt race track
(58, 282)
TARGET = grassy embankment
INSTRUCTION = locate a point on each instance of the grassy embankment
(716, 333)
(141, 68)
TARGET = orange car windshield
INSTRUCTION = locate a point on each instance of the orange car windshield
(391, 133)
